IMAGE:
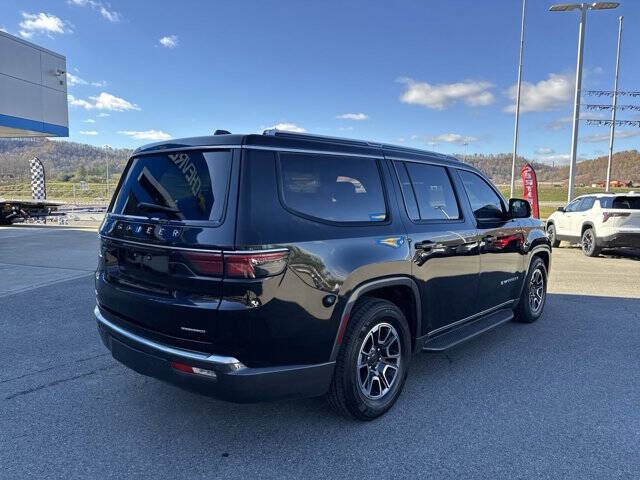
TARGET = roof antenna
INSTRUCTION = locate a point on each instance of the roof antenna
(221, 132)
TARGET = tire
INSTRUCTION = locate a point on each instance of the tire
(588, 243)
(534, 293)
(354, 391)
(551, 233)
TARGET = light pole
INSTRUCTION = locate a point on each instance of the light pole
(583, 7)
(107, 192)
(515, 133)
(615, 104)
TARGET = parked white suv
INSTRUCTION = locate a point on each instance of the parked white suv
(597, 221)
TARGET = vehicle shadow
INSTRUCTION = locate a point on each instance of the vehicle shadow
(629, 253)
(578, 349)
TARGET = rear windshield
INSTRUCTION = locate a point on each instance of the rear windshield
(176, 186)
(628, 203)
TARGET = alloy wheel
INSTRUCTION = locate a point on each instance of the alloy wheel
(587, 241)
(536, 291)
(379, 359)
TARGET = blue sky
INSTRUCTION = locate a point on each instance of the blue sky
(426, 74)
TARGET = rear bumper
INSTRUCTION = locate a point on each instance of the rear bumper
(619, 240)
(233, 381)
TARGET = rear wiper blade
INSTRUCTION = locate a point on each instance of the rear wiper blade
(155, 206)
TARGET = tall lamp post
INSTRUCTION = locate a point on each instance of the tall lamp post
(583, 8)
(614, 107)
(515, 133)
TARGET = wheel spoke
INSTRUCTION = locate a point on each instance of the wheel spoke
(379, 361)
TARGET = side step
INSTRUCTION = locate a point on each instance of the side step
(467, 331)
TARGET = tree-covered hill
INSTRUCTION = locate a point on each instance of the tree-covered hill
(70, 161)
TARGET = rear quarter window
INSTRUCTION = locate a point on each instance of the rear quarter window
(188, 186)
(626, 203)
(332, 188)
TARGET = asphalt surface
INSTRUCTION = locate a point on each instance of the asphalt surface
(556, 399)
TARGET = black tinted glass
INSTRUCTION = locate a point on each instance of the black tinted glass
(176, 186)
(626, 203)
(485, 202)
(436, 200)
(339, 189)
(407, 191)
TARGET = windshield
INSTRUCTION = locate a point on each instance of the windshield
(176, 186)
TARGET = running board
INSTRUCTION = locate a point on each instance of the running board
(467, 331)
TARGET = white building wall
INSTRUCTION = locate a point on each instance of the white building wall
(33, 90)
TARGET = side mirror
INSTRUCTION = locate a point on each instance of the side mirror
(519, 208)
(560, 209)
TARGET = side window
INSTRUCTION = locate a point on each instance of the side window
(433, 192)
(407, 191)
(586, 204)
(485, 202)
(573, 206)
(333, 188)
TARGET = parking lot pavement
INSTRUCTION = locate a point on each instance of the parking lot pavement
(555, 399)
(33, 257)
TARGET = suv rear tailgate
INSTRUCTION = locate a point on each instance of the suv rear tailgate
(160, 265)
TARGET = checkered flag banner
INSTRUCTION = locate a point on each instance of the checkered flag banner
(38, 187)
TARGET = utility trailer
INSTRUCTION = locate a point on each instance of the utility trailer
(23, 210)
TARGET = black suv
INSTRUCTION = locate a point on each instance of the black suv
(256, 267)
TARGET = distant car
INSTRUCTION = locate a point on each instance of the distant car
(256, 267)
(597, 221)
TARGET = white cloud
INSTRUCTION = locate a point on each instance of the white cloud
(45, 23)
(545, 151)
(88, 132)
(604, 137)
(549, 94)
(451, 138)
(103, 8)
(104, 101)
(89, 120)
(110, 15)
(353, 116)
(441, 96)
(73, 80)
(346, 129)
(146, 134)
(170, 41)
(2, 29)
(559, 124)
(78, 102)
(101, 115)
(289, 127)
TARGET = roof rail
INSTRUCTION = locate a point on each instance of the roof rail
(311, 136)
(347, 141)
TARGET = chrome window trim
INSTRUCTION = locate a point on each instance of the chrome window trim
(186, 354)
(168, 247)
(315, 152)
(430, 161)
(195, 249)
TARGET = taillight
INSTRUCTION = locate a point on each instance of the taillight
(607, 215)
(237, 265)
(254, 265)
(206, 263)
